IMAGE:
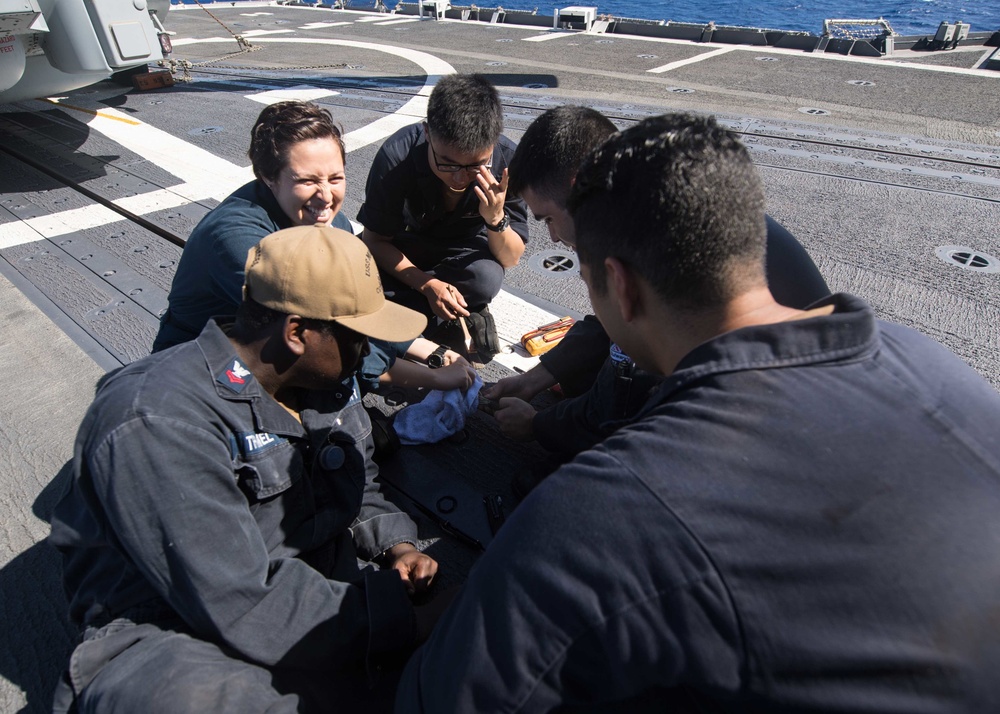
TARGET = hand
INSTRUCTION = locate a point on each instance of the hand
(451, 357)
(515, 417)
(457, 375)
(445, 300)
(416, 569)
(492, 194)
(522, 386)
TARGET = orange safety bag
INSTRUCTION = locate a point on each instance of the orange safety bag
(541, 340)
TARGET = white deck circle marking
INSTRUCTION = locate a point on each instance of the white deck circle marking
(413, 111)
(302, 92)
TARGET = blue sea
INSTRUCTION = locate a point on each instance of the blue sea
(907, 17)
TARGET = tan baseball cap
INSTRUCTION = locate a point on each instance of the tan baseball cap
(326, 274)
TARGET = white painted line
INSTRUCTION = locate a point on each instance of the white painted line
(184, 160)
(552, 35)
(399, 22)
(371, 19)
(203, 175)
(263, 33)
(95, 216)
(410, 113)
(985, 56)
(184, 41)
(17, 233)
(691, 60)
(57, 224)
(301, 93)
(514, 316)
(256, 14)
(181, 195)
(413, 111)
(323, 25)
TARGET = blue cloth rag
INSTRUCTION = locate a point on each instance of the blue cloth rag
(439, 415)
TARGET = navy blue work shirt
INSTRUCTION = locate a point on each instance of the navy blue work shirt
(194, 492)
(403, 194)
(802, 518)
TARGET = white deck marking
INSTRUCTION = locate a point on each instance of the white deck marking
(820, 56)
(256, 14)
(180, 195)
(302, 93)
(514, 316)
(551, 35)
(264, 33)
(399, 22)
(985, 56)
(204, 175)
(413, 111)
(96, 215)
(322, 25)
(691, 60)
(17, 233)
(64, 222)
(410, 113)
(371, 19)
(189, 163)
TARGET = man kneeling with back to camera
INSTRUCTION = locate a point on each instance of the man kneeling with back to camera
(604, 385)
(801, 518)
(222, 497)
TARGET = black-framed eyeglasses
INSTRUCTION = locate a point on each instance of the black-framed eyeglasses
(455, 168)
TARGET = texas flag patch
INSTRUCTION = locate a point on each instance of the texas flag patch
(235, 377)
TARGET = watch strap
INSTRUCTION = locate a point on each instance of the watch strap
(501, 226)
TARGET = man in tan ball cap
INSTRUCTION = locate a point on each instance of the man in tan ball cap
(226, 547)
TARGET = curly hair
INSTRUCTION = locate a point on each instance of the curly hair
(677, 199)
(282, 125)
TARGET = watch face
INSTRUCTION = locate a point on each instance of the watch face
(436, 358)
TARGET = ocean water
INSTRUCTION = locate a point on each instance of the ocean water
(907, 17)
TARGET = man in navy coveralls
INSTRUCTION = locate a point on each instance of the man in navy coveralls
(223, 511)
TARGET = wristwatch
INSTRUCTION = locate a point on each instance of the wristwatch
(436, 358)
(502, 225)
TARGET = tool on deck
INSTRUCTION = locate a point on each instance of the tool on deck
(544, 338)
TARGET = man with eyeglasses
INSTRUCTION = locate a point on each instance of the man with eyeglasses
(436, 214)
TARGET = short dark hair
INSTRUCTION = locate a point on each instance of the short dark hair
(252, 318)
(552, 148)
(677, 199)
(284, 124)
(464, 111)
